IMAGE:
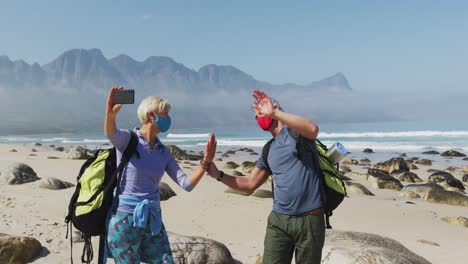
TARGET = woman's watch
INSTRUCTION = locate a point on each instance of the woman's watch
(221, 175)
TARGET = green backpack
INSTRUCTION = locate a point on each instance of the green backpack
(333, 187)
(94, 197)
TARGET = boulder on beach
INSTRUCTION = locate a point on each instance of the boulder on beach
(364, 161)
(180, 154)
(409, 177)
(18, 173)
(424, 162)
(452, 153)
(345, 169)
(350, 162)
(166, 191)
(411, 166)
(431, 152)
(397, 163)
(54, 184)
(357, 247)
(368, 150)
(246, 167)
(460, 220)
(60, 149)
(18, 249)
(186, 249)
(403, 155)
(446, 197)
(465, 178)
(13, 150)
(440, 177)
(78, 153)
(380, 179)
(357, 188)
(231, 165)
(421, 189)
(409, 195)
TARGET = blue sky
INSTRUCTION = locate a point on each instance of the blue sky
(381, 46)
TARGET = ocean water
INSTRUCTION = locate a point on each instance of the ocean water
(381, 137)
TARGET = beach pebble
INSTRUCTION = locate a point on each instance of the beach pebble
(463, 221)
(54, 184)
(19, 249)
(166, 191)
(358, 189)
(357, 247)
(427, 242)
(18, 173)
(187, 249)
(452, 153)
(446, 197)
(393, 164)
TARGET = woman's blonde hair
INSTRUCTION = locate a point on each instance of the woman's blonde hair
(152, 104)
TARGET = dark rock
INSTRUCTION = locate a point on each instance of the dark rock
(19, 249)
(424, 162)
(431, 152)
(409, 177)
(51, 146)
(358, 189)
(452, 168)
(52, 157)
(368, 150)
(253, 153)
(180, 154)
(344, 178)
(421, 189)
(403, 155)
(345, 169)
(219, 159)
(463, 221)
(411, 166)
(37, 144)
(465, 178)
(246, 167)
(231, 165)
(396, 173)
(13, 150)
(18, 173)
(380, 179)
(187, 249)
(54, 184)
(33, 150)
(452, 153)
(432, 170)
(224, 156)
(166, 191)
(78, 153)
(236, 173)
(409, 195)
(33, 155)
(365, 161)
(393, 164)
(350, 162)
(356, 247)
(465, 158)
(230, 152)
(260, 193)
(60, 149)
(446, 197)
(442, 176)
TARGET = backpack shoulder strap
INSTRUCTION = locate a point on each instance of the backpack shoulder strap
(265, 151)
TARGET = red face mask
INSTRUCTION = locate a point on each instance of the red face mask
(265, 122)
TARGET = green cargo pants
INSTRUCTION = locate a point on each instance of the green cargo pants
(287, 234)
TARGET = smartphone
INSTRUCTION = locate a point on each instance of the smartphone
(124, 96)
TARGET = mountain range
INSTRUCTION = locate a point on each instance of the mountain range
(89, 70)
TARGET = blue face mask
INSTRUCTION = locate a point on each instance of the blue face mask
(164, 123)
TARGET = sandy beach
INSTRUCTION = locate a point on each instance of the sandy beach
(237, 221)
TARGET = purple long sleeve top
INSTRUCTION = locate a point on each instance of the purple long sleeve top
(142, 175)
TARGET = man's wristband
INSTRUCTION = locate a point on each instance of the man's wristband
(221, 175)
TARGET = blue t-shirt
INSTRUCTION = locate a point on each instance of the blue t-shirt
(296, 182)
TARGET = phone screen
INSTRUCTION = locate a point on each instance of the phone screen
(124, 96)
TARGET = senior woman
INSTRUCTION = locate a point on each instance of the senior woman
(131, 238)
